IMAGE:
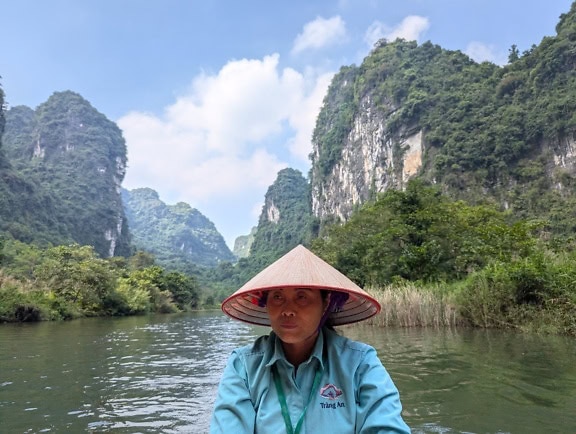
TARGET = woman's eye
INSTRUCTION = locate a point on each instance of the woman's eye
(302, 299)
(277, 298)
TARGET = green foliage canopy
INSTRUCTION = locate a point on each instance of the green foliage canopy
(421, 235)
(67, 161)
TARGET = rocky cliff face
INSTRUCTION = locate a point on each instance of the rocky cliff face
(563, 153)
(484, 133)
(372, 161)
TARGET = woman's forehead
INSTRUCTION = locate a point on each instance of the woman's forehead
(295, 289)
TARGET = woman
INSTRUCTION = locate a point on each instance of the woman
(304, 377)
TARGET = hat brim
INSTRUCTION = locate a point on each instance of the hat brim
(300, 268)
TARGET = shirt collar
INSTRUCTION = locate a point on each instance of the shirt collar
(278, 354)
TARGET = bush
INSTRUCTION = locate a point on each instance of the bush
(536, 293)
(20, 304)
(134, 295)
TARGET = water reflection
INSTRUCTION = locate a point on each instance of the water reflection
(160, 374)
(175, 365)
(141, 374)
(480, 381)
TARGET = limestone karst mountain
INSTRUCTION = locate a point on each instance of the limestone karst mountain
(67, 164)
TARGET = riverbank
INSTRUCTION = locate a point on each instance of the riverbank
(534, 294)
(404, 305)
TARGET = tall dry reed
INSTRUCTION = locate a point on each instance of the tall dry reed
(406, 305)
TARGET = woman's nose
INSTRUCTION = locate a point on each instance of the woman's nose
(287, 310)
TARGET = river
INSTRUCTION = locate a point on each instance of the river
(159, 374)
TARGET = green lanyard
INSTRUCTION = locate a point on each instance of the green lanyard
(284, 406)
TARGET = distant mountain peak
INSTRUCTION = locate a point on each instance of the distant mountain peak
(177, 235)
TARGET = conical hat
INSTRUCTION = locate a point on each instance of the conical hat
(300, 268)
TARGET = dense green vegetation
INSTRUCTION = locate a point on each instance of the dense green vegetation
(63, 164)
(67, 282)
(421, 235)
(285, 220)
(490, 133)
(495, 270)
(62, 194)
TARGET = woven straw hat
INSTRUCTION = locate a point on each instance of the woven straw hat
(300, 268)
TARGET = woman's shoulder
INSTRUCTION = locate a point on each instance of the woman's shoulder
(262, 345)
(251, 360)
(355, 356)
(344, 343)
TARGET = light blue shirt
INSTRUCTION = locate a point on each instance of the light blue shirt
(356, 393)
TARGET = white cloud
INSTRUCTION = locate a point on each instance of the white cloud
(257, 210)
(411, 29)
(244, 103)
(320, 33)
(481, 52)
(227, 137)
(303, 120)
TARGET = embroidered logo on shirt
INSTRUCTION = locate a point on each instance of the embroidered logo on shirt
(329, 391)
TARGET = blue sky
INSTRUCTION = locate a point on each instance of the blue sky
(215, 97)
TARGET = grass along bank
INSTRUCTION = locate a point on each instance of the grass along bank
(535, 294)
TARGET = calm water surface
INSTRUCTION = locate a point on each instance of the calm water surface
(159, 375)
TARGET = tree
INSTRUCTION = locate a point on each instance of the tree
(141, 259)
(184, 289)
(513, 54)
(76, 274)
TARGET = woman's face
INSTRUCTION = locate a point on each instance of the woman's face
(295, 313)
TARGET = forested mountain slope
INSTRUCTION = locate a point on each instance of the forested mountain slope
(285, 221)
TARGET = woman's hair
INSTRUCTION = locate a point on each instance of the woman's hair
(336, 299)
(262, 299)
